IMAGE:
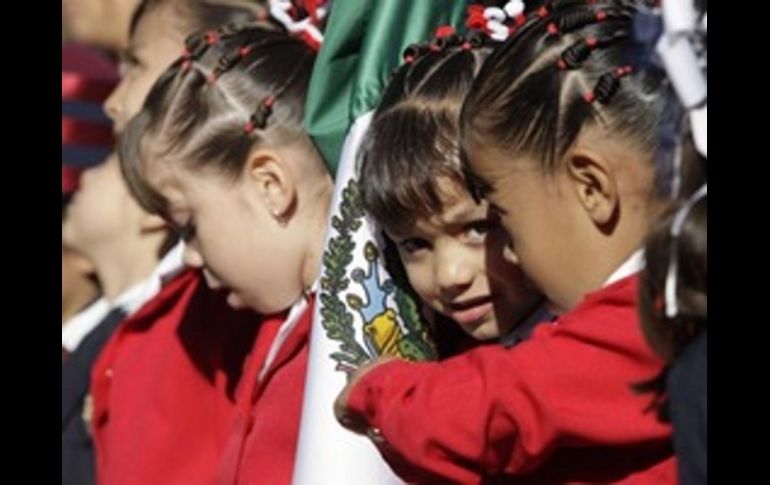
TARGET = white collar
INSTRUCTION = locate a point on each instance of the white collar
(139, 294)
(295, 314)
(633, 264)
(80, 325)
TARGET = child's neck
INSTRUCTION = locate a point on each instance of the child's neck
(121, 268)
(316, 232)
(600, 257)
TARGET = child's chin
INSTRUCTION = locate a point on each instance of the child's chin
(484, 331)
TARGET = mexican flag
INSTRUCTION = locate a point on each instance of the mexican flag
(360, 313)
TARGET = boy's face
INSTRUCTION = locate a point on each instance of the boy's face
(454, 261)
(102, 212)
(75, 270)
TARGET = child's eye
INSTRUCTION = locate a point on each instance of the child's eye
(477, 231)
(127, 65)
(413, 244)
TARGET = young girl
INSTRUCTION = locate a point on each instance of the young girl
(219, 150)
(559, 133)
(196, 366)
(411, 183)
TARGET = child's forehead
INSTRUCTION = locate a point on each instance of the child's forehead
(455, 198)
(458, 208)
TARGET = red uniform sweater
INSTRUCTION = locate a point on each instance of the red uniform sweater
(557, 408)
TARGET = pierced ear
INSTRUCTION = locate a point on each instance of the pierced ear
(596, 187)
(267, 173)
(152, 223)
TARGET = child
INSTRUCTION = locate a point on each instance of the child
(673, 300)
(129, 250)
(412, 185)
(558, 133)
(219, 150)
(196, 364)
(87, 79)
(107, 238)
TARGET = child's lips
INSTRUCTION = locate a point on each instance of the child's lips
(471, 311)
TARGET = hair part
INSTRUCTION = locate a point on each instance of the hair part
(198, 112)
(563, 71)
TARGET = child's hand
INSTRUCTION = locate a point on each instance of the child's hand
(349, 420)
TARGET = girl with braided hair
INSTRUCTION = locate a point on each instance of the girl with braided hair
(196, 365)
(558, 135)
(219, 151)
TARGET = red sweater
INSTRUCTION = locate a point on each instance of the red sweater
(164, 387)
(557, 408)
(262, 446)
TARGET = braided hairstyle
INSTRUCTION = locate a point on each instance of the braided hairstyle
(564, 69)
(233, 89)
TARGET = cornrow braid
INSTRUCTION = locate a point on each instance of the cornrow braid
(607, 85)
(238, 79)
(531, 95)
(572, 21)
(258, 119)
(574, 55)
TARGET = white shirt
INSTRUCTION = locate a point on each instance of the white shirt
(79, 326)
(633, 264)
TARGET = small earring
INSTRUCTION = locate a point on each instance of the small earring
(280, 218)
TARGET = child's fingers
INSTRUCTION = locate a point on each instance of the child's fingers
(346, 418)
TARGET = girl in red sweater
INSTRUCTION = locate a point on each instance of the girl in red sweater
(559, 135)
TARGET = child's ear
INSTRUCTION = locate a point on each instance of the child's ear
(269, 174)
(152, 223)
(595, 184)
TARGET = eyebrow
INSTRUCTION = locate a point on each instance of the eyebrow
(467, 211)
